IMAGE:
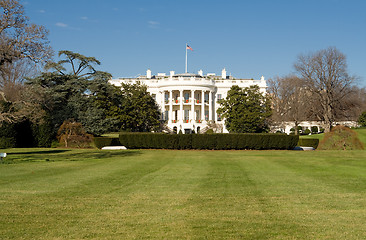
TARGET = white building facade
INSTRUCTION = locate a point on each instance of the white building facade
(188, 102)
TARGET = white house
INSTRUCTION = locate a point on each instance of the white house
(189, 101)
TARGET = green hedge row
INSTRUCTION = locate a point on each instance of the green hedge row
(207, 141)
(106, 141)
(308, 142)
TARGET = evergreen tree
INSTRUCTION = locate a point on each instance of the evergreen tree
(137, 110)
(71, 87)
(246, 110)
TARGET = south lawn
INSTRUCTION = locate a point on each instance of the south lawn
(162, 194)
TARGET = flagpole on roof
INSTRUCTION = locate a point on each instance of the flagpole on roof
(186, 58)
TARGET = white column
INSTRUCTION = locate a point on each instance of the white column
(192, 105)
(163, 104)
(170, 105)
(209, 105)
(181, 113)
(203, 106)
(215, 111)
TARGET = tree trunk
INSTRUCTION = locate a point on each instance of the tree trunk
(296, 130)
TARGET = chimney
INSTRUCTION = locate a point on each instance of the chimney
(200, 72)
(148, 73)
(223, 73)
(172, 73)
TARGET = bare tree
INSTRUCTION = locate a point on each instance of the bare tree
(352, 106)
(23, 45)
(290, 100)
(12, 77)
(19, 38)
(326, 77)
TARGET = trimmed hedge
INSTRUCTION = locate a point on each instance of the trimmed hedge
(308, 142)
(207, 141)
(101, 142)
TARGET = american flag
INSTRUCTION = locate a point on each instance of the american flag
(188, 47)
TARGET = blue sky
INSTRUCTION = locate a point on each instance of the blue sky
(248, 38)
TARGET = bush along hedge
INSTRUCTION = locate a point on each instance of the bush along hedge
(7, 142)
(101, 142)
(207, 141)
(25, 134)
(308, 142)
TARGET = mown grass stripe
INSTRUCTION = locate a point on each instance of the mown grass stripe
(183, 195)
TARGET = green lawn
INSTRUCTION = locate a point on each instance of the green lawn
(162, 194)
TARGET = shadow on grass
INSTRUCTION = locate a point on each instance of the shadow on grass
(41, 152)
(100, 154)
(65, 155)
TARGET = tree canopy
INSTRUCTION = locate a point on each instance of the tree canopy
(77, 91)
(290, 100)
(18, 37)
(246, 110)
(71, 93)
(137, 110)
(327, 79)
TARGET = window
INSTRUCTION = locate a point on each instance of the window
(219, 97)
(206, 115)
(166, 97)
(153, 96)
(206, 98)
(166, 115)
(186, 96)
(186, 115)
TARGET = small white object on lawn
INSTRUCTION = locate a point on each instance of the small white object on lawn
(114, 148)
(2, 155)
(304, 148)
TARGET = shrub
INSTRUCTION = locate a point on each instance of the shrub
(208, 141)
(28, 134)
(210, 131)
(101, 142)
(308, 142)
(307, 131)
(314, 129)
(7, 142)
(43, 134)
(362, 119)
(341, 138)
(72, 134)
